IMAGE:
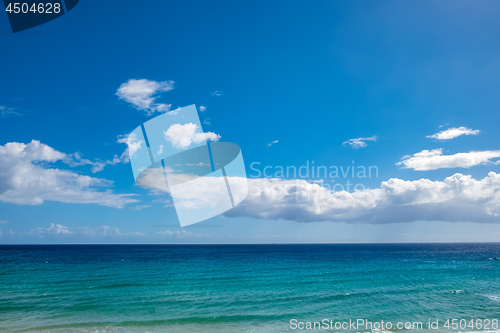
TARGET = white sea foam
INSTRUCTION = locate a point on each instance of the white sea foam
(493, 298)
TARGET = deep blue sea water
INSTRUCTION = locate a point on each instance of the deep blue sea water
(245, 288)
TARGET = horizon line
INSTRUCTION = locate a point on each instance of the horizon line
(218, 244)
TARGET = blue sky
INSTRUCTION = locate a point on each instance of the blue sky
(309, 75)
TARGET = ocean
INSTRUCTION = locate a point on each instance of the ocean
(250, 288)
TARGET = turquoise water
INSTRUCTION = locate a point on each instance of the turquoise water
(244, 288)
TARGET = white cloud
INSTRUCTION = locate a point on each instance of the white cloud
(182, 136)
(211, 136)
(101, 231)
(25, 179)
(143, 94)
(181, 234)
(456, 198)
(174, 112)
(434, 159)
(3, 221)
(217, 93)
(359, 142)
(453, 132)
(141, 207)
(160, 150)
(105, 231)
(53, 229)
(133, 145)
(203, 108)
(7, 112)
(98, 165)
(272, 143)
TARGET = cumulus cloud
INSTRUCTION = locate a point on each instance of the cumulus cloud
(53, 229)
(217, 93)
(453, 132)
(359, 142)
(272, 143)
(182, 136)
(456, 198)
(211, 136)
(434, 159)
(142, 94)
(203, 108)
(27, 179)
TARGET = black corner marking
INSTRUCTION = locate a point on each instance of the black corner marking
(26, 14)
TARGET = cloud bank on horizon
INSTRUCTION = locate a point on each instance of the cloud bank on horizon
(458, 198)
